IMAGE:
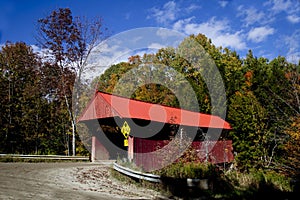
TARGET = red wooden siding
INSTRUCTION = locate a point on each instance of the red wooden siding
(220, 152)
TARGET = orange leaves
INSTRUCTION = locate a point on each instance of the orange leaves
(134, 59)
(248, 76)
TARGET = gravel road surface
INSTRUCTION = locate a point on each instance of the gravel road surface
(45, 181)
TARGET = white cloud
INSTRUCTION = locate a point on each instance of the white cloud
(102, 57)
(167, 33)
(280, 5)
(293, 57)
(120, 47)
(251, 15)
(230, 40)
(170, 12)
(291, 43)
(287, 6)
(192, 7)
(45, 54)
(165, 14)
(259, 34)
(217, 30)
(179, 25)
(35, 48)
(223, 4)
(290, 8)
(293, 19)
(108, 53)
(156, 46)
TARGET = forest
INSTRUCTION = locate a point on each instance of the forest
(36, 90)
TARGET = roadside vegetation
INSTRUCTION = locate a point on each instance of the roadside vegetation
(222, 183)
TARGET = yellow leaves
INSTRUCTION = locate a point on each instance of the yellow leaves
(248, 83)
(206, 100)
(294, 130)
(238, 93)
(292, 146)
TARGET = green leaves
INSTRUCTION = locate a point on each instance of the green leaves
(262, 95)
(248, 118)
(19, 96)
(33, 116)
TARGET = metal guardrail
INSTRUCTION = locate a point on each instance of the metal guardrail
(191, 183)
(136, 174)
(48, 157)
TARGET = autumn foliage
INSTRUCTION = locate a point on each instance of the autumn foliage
(262, 96)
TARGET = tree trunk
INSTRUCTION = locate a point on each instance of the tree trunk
(73, 138)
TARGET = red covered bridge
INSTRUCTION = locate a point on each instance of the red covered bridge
(145, 127)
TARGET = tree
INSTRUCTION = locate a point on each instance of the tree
(248, 119)
(276, 94)
(57, 127)
(20, 98)
(70, 42)
(199, 74)
(263, 96)
(292, 147)
(271, 89)
(34, 117)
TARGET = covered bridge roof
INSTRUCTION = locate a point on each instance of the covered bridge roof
(105, 105)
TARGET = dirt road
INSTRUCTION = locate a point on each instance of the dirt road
(65, 181)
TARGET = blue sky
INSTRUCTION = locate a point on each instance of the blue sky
(269, 28)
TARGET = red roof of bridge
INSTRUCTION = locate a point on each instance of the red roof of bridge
(105, 105)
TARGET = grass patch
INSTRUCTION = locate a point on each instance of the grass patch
(189, 170)
(255, 184)
(126, 163)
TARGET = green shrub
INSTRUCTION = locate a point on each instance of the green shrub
(257, 182)
(189, 170)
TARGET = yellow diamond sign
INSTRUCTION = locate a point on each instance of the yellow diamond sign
(125, 143)
(125, 130)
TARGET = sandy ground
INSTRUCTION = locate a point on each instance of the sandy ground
(65, 181)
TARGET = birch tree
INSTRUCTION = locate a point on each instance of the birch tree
(69, 41)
